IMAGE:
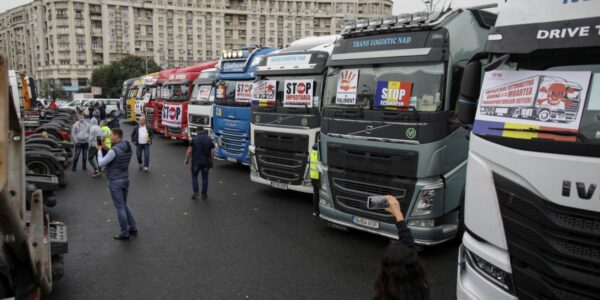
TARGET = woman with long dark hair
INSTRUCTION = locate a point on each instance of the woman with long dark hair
(402, 276)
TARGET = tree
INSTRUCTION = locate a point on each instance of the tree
(50, 89)
(110, 77)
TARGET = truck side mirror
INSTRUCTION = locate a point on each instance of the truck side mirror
(469, 92)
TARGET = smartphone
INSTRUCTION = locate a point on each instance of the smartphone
(99, 141)
(377, 202)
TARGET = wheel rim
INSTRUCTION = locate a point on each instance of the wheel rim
(38, 168)
(544, 115)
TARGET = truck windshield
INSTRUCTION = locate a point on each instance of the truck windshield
(178, 93)
(288, 85)
(234, 93)
(132, 93)
(147, 93)
(414, 86)
(563, 100)
(202, 94)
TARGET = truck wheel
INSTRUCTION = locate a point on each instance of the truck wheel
(544, 115)
(41, 167)
(516, 113)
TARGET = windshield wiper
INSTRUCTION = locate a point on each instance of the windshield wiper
(535, 130)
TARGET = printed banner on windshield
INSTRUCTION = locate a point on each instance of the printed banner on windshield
(204, 92)
(263, 93)
(393, 94)
(523, 101)
(243, 91)
(172, 115)
(298, 93)
(347, 87)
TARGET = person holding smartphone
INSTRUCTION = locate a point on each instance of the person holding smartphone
(402, 275)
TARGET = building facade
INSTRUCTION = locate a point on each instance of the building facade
(63, 40)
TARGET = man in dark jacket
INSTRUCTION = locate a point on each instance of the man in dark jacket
(201, 151)
(116, 164)
(141, 137)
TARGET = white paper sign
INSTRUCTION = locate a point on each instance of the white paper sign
(165, 92)
(243, 91)
(538, 98)
(172, 115)
(347, 87)
(264, 91)
(298, 93)
(204, 92)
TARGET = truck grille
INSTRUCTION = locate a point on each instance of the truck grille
(234, 142)
(281, 157)
(199, 120)
(150, 116)
(554, 250)
(173, 130)
(350, 190)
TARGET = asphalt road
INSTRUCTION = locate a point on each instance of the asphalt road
(247, 241)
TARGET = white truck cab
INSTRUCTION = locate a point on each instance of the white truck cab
(532, 203)
(200, 109)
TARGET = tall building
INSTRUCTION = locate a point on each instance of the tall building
(63, 40)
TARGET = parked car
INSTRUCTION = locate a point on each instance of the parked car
(85, 104)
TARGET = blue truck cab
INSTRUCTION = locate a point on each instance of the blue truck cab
(232, 111)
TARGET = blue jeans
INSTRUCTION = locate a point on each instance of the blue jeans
(118, 191)
(196, 169)
(139, 149)
(79, 148)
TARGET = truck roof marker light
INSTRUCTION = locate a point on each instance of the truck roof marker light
(403, 19)
(420, 17)
(375, 23)
(389, 20)
(495, 37)
(362, 23)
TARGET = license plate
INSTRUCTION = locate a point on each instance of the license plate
(231, 159)
(279, 185)
(365, 222)
(173, 137)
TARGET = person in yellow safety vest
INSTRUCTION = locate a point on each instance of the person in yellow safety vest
(314, 178)
(105, 134)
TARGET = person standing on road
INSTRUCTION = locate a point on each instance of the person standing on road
(92, 157)
(53, 105)
(105, 134)
(314, 178)
(116, 163)
(201, 151)
(402, 275)
(102, 108)
(80, 135)
(141, 137)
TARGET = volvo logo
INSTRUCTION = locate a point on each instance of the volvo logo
(279, 119)
(369, 129)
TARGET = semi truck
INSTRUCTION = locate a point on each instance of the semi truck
(532, 204)
(286, 117)
(149, 107)
(175, 109)
(231, 116)
(148, 91)
(130, 86)
(200, 109)
(388, 126)
(32, 245)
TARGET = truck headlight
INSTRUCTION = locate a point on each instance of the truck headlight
(496, 275)
(427, 197)
(186, 130)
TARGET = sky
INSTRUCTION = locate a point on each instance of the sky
(400, 6)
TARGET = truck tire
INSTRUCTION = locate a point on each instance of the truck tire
(544, 115)
(43, 163)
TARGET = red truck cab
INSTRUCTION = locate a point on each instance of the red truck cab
(174, 110)
(150, 108)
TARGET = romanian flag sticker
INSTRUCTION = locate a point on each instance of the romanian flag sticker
(393, 94)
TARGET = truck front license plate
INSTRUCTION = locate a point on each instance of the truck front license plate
(173, 138)
(231, 159)
(279, 185)
(365, 222)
